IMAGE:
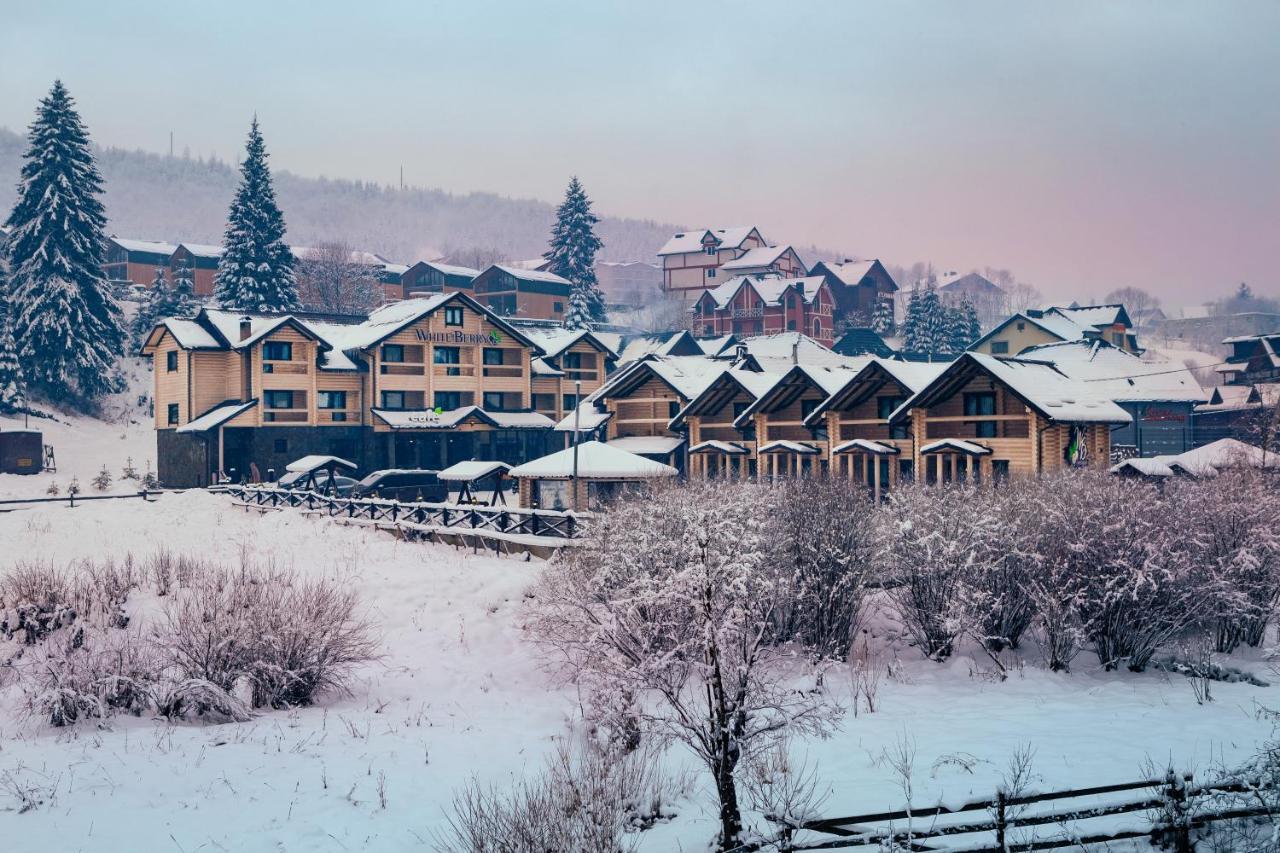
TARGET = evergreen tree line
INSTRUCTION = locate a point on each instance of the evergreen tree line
(933, 327)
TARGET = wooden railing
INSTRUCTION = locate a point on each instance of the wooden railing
(148, 495)
(275, 367)
(510, 371)
(400, 369)
(283, 416)
(501, 520)
(1174, 808)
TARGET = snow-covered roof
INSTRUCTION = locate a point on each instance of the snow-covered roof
(848, 272)
(691, 241)
(466, 472)
(912, 375)
(1042, 386)
(588, 417)
(1225, 398)
(770, 288)
(153, 246)
(716, 346)
(202, 250)
(1121, 375)
(956, 445)
(653, 445)
(596, 461)
(784, 446)
(389, 318)
(451, 269)
(660, 344)
(1208, 460)
(1154, 467)
(780, 351)
(1093, 315)
(758, 257)
(189, 334)
(729, 447)
(865, 446)
(553, 341)
(541, 367)
(315, 462)
(429, 419)
(217, 416)
(533, 275)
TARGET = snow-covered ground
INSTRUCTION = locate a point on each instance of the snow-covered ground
(83, 445)
(460, 692)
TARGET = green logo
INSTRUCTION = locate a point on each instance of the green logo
(495, 337)
(438, 410)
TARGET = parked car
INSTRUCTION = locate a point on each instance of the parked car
(298, 480)
(403, 484)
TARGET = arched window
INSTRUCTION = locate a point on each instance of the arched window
(817, 327)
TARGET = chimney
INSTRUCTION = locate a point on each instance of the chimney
(246, 328)
(795, 350)
(739, 354)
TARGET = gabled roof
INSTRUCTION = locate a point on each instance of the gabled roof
(692, 241)
(758, 257)
(956, 445)
(554, 341)
(722, 390)
(718, 345)
(727, 447)
(1121, 375)
(226, 325)
(770, 288)
(471, 470)
(864, 445)
(781, 350)
(687, 376)
(674, 343)
(390, 319)
(595, 461)
(851, 272)
(1039, 385)
(201, 250)
(1057, 326)
(792, 385)
(972, 283)
(785, 446)
(1095, 316)
(911, 375)
(188, 334)
(315, 462)
(862, 341)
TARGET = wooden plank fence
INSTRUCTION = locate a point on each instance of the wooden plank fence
(1173, 807)
(148, 495)
(506, 521)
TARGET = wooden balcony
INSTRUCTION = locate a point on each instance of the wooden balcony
(453, 370)
(582, 375)
(401, 369)
(278, 367)
(283, 416)
(510, 371)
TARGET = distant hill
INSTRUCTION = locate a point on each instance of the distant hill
(157, 197)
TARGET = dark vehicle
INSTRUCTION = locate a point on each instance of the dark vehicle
(402, 484)
(298, 480)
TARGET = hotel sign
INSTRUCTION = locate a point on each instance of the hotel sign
(494, 337)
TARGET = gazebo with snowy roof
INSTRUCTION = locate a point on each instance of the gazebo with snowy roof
(601, 472)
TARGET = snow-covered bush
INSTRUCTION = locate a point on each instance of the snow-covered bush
(588, 799)
(933, 539)
(1230, 522)
(36, 599)
(129, 472)
(102, 481)
(90, 674)
(994, 591)
(825, 534)
(288, 638)
(664, 620)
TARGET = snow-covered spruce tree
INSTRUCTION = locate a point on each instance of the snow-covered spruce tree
(882, 317)
(579, 314)
(152, 309)
(933, 320)
(12, 393)
(69, 329)
(255, 271)
(183, 294)
(913, 323)
(574, 246)
(970, 328)
(663, 621)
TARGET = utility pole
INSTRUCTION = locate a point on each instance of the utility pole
(402, 177)
(577, 414)
(171, 143)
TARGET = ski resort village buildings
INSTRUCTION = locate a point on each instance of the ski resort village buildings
(1036, 327)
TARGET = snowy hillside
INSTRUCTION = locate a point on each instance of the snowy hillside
(82, 445)
(460, 693)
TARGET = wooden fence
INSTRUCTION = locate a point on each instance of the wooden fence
(1172, 809)
(148, 495)
(504, 521)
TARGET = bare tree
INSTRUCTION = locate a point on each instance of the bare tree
(476, 257)
(331, 278)
(1023, 296)
(663, 621)
(1137, 301)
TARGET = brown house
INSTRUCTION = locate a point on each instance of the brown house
(764, 305)
(691, 260)
(510, 291)
(203, 261)
(136, 261)
(857, 287)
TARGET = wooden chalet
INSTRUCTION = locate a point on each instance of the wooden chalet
(857, 288)
(767, 304)
(691, 260)
(136, 261)
(426, 277)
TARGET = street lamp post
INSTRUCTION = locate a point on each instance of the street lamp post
(577, 414)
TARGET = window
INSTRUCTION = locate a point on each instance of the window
(278, 399)
(885, 406)
(977, 405)
(710, 250)
(557, 307)
(453, 315)
(495, 401)
(817, 327)
(1022, 327)
(807, 407)
(709, 329)
(448, 400)
(393, 399)
(570, 402)
(738, 408)
(999, 347)
(277, 351)
(173, 414)
(492, 355)
(673, 408)
(999, 470)
(331, 399)
(171, 361)
(573, 361)
(791, 325)
(711, 273)
(446, 355)
(281, 445)
(393, 353)
(544, 402)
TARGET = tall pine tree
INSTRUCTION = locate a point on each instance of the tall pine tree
(970, 328)
(70, 328)
(572, 255)
(913, 323)
(255, 272)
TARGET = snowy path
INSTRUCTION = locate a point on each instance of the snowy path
(460, 693)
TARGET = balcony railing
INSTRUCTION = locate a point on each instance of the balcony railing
(453, 370)
(293, 416)
(399, 369)
(583, 375)
(293, 367)
(512, 371)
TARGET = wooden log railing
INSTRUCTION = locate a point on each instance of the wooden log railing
(1173, 807)
(500, 520)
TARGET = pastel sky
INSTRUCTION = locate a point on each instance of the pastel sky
(1083, 145)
